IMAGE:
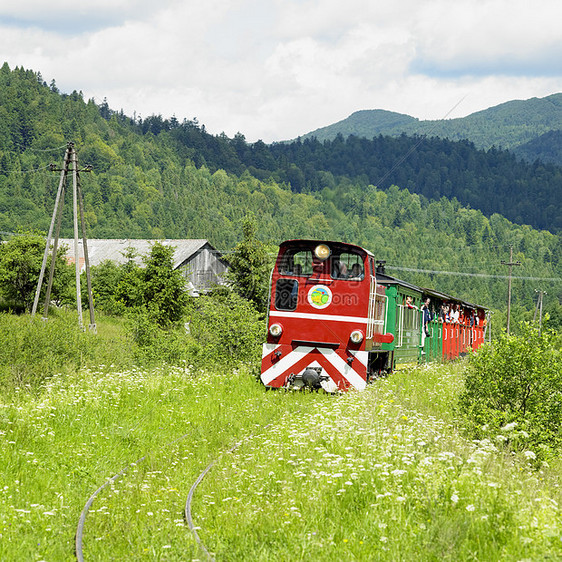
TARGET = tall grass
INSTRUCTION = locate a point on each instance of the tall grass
(33, 349)
(378, 475)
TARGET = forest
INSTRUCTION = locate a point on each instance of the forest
(513, 125)
(426, 206)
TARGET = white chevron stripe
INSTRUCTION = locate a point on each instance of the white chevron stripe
(268, 348)
(362, 356)
(339, 364)
(285, 363)
(344, 368)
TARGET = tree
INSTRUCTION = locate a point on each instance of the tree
(128, 293)
(20, 266)
(163, 289)
(249, 271)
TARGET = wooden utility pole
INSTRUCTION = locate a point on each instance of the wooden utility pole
(539, 308)
(511, 263)
(70, 159)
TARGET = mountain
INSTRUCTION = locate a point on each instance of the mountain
(508, 125)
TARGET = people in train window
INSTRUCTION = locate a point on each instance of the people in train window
(455, 314)
(410, 304)
(356, 271)
(339, 270)
(426, 316)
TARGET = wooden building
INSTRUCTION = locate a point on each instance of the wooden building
(202, 265)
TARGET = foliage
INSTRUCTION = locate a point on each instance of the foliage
(156, 345)
(105, 279)
(227, 328)
(249, 268)
(508, 125)
(513, 391)
(163, 290)
(303, 476)
(20, 266)
(159, 178)
(224, 329)
(157, 289)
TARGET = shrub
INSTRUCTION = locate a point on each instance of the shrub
(154, 344)
(513, 391)
(228, 328)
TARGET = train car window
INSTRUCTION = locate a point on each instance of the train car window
(296, 262)
(348, 266)
(286, 294)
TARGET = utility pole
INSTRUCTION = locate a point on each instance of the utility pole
(511, 263)
(70, 158)
(539, 308)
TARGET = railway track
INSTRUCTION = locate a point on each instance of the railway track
(187, 509)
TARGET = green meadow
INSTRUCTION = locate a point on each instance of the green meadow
(385, 474)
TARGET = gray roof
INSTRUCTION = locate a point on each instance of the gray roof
(100, 250)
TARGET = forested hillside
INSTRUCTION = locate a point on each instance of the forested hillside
(507, 125)
(164, 178)
(547, 147)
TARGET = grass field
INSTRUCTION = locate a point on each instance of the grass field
(378, 475)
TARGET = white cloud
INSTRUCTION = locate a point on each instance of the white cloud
(275, 69)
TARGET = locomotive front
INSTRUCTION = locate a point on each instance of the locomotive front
(325, 317)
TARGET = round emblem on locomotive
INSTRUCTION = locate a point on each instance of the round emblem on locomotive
(320, 296)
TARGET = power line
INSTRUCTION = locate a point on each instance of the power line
(464, 274)
(42, 149)
(26, 171)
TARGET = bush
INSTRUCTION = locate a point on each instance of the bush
(228, 329)
(155, 344)
(224, 329)
(513, 391)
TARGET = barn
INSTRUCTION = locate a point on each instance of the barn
(201, 265)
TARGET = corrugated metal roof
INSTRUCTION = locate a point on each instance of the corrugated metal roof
(100, 250)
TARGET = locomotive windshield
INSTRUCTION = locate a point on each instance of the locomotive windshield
(347, 265)
(296, 262)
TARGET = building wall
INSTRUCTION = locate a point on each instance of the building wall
(204, 270)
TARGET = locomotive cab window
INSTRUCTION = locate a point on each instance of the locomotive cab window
(348, 266)
(296, 262)
(286, 294)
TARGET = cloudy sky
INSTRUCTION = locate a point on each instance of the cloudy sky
(275, 69)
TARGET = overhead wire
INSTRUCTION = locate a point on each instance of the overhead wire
(47, 167)
(466, 274)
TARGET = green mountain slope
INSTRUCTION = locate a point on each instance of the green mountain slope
(506, 125)
(547, 147)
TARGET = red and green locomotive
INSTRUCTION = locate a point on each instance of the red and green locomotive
(335, 322)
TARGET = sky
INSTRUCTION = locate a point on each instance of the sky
(277, 69)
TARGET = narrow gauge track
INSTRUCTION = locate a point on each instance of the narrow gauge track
(83, 515)
(81, 522)
(200, 478)
(187, 511)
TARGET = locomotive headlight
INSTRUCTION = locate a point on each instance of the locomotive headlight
(322, 252)
(275, 330)
(356, 336)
